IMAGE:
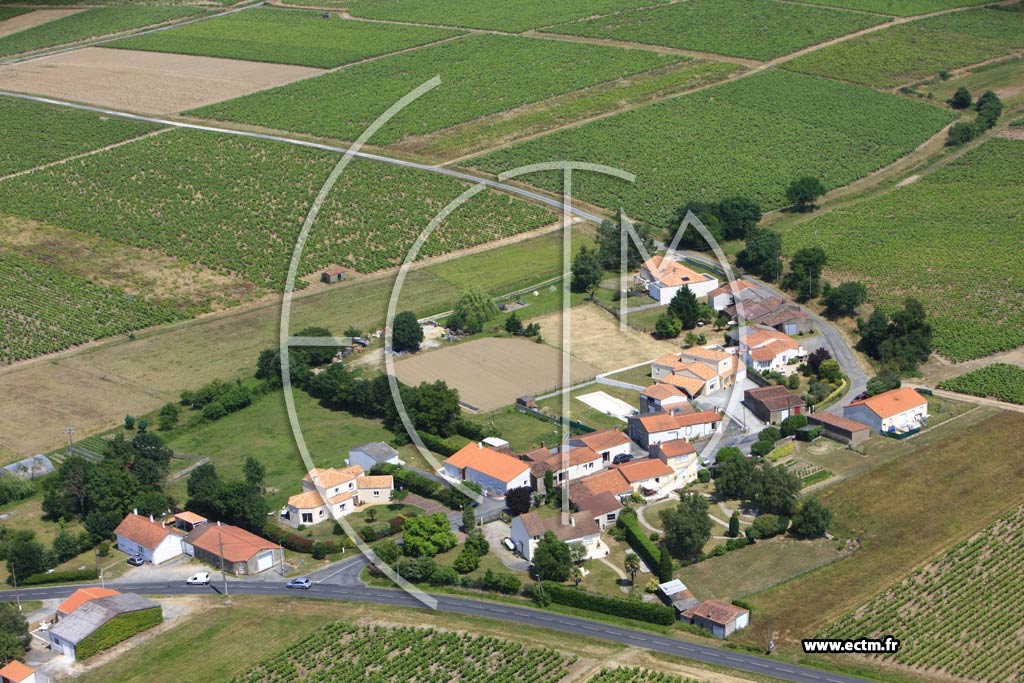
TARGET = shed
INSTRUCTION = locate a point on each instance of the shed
(332, 275)
(841, 429)
(374, 453)
(721, 618)
(17, 672)
(67, 636)
(188, 521)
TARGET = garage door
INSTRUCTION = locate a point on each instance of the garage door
(265, 560)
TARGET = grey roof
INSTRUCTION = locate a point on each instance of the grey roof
(29, 468)
(88, 618)
(376, 450)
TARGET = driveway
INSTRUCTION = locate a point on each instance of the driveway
(494, 532)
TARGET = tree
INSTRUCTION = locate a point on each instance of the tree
(244, 505)
(67, 493)
(776, 490)
(770, 434)
(844, 299)
(168, 417)
(734, 524)
(406, 332)
(27, 556)
(632, 566)
(576, 575)
(514, 326)
(129, 422)
(791, 424)
(552, 560)
(427, 535)
(881, 383)
(151, 503)
(315, 355)
(472, 311)
(687, 527)
(990, 108)
(667, 327)
(692, 239)
(66, 544)
(961, 132)
(739, 217)
(762, 254)
(817, 357)
(14, 634)
(143, 425)
(518, 500)
(204, 488)
(803, 192)
(466, 561)
(812, 519)
(387, 551)
(468, 519)
(768, 525)
(762, 448)
(578, 552)
(664, 565)
(830, 371)
(903, 340)
(735, 475)
(586, 270)
(254, 472)
(804, 276)
(432, 408)
(609, 246)
(549, 482)
(684, 308)
(961, 99)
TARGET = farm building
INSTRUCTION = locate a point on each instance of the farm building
(609, 481)
(332, 275)
(237, 550)
(681, 456)
(676, 593)
(102, 623)
(840, 429)
(495, 472)
(660, 398)
(529, 528)
(648, 430)
(17, 672)
(895, 411)
(648, 475)
(188, 521)
(773, 404)
(721, 618)
(346, 489)
(604, 508)
(664, 277)
(80, 597)
(607, 442)
(788, 319)
(153, 541)
(370, 454)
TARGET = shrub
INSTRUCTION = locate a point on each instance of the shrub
(120, 628)
(638, 540)
(652, 613)
(793, 423)
(762, 448)
(467, 561)
(768, 525)
(444, 576)
(319, 550)
(71, 576)
(809, 433)
(703, 476)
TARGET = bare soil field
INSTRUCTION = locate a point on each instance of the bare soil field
(147, 82)
(40, 16)
(493, 372)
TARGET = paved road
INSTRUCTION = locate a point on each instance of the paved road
(340, 582)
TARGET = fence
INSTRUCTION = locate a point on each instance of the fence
(573, 424)
(618, 384)
(188, 470)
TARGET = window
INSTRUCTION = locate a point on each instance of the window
(610, 517)
(376, 494)
(321, 513)
(307, 517)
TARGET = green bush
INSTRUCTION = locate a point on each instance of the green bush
(703, 476)
(120, 628)
(638, 540)
(71, 576)
(809, 433)
(762, 448)
(652, 613)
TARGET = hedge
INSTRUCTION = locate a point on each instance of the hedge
(61, 577)
(650, 612)
(639, 541)
(122, 627)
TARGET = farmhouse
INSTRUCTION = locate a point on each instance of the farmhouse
(721, 618)
(660, 398)
(895, 411)
(346, 489)
(648, 430)
(529, 528)
(647, 476)
(237, 550)
(152, 541)
(664, 277)
(604, 508)
(495, 472)
(16, 672)
(681, 456)
(607, 442)
(840, 429)
(80, 597)
(610, 481)
(773, 404)
(722, 297)
(370, 454)
(572, 462)
(765, 348)
(102, 623)
(332, 275)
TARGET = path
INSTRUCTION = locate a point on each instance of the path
(623, 579)
(967, 398)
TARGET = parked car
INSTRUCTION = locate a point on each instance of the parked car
(302, 583)
(507, 542)
(136, 561)
(621, 458)
(200, 579)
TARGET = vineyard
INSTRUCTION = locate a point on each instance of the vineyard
(11, 12)
(287, 37)
(44, 310)
(236, 205)
(758, 29)
(919, 49)
(91, 23)
(345, 653)
(999, 380)
(951, 239)
(480, 75)
(36, 134)
(749, 138)
(900, 8)
(960, 614)
(635, 675)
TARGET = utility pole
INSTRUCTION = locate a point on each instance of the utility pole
(223, 574)
(14, 577)
(69, 430)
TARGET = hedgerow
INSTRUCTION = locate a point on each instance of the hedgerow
(652, 613)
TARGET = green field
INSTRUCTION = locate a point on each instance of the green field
(749, 137)
(92, 23)
(956, 615)
(948, 239)
(1006, 79)
(999, 381)
(236, 205)
(900, 8)
(11, 12)
(919, 49)
(758, 29)
(287, 37)
(480, 75)
(36, 134)
(485, 14)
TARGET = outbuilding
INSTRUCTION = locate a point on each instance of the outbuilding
(494, 471)
(721, 618)
(374, 453)
(840, 429)
(237, 550)
(773, 404)
(332, 275)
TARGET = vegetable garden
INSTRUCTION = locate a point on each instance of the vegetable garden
(750, 137)
(959, 615)
(480, 75)
(999, 380)
(952, 240)
(758, 29)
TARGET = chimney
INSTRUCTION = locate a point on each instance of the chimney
(543, 444)
(135, 511)
(151, 520)
(479, 445)
(218, 522)
(572, 521)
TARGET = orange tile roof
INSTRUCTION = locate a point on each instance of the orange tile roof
(610, 481)
(642, 470)
(82, 596)
(672, 273)
(707, 354)
(582, 526)
(598, 505)
(764, 335)
(603, 440)
(660, 392)
(697, 368)
(892, 402)
(343, 496)
(307, 500)
(691, 385)
(190, 517)
(663, 422)
(715, 611)
(328, 477)
(488, 461)
(576, 455)
(16, 671)
(676, 448)
(239, 545)
(727, 288)
(669, 360)
(141, 530)
(376, 481)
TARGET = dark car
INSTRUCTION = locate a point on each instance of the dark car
(861, 396)
(136, 561)
(621, 458)
(302, 583)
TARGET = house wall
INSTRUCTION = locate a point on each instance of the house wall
(366, 462)
(684, 466)
(496, 485)
(608, 519)
(453, 471)
(294, 518)
(689, 432)
(374, 496)
(169, 548)
(62, 647)
(864, 415)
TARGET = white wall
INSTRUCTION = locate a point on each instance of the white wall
(365, 461)
(496, 485)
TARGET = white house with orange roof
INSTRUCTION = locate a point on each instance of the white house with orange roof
(494, 471)
(765, 348)
(345, 490)
(664, 277)
(895, 411)
(723, 297)
(698, 370)
(608, 442)
(17, 672)
(648, 430)
(570, 462)
(681, 456)
(648, 475)
(142, 536)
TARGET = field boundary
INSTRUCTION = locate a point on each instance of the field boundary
(83, 155)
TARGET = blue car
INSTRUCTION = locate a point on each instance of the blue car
(302, 582)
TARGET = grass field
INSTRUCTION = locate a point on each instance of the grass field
(901, 8)
(245, 200)
(999, 380)
(480, 75)
(904, 243)
(955, 614)
(11, 12)
(93, 23)
(522, 431)
(758, 29)
(916, 50)
(36, 134)
(750, 137)
(287, 37)
(1006, 79)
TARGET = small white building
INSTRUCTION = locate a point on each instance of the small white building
(607, 442)
(664, 277)
(495, 472)
(16, 672)
(661, 398)
(721, 618)
(153, 541)
(648, 430)
(681, 456)
(529, 528)
(374, 453)
(895, 411)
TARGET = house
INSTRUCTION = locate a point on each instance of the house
(110, 620)
(16, 672)
(332, 275)
(610, 481)
(765, 348)
(572, 462)
(648, 475)
(648, 430)
(753, 306)
(153, 541)
(699, 370)
(608, 442)
(604, 508)
(773, 404)
(495, 472)
(721, 618)
(788, 319)
(234, 549)
(722, 297)
(346, 489)
(681, 456)
(664, 277)
(80, 597)
(529, 528)
(370, 454)
(676, 593)
(187, 521)
(895, 411)
(840, 429)
(660, 398)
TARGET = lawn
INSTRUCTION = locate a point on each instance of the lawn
(999, 381)
(287, 37)
(758, 29)
(901, 8)
(480, 75)
(904, 243)
(522, 431)
(1006, 79)
(749, 137)
(639, 376)
(581, 412)
(92, 23)
(919, 49)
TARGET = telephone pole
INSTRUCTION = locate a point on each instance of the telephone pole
(223, 574)
(14, 577)
(69, 430)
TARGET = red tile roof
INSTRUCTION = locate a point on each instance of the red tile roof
(775, 397)
(663, 422)
(676, 448)
(488, 461)
(190, 517)
(691, 385)
(603, 440)
(582, 526)
(727, 288)
(142, 530)
(610, 481)
(660, 392)
(892, 402)
(836, 421)
(598, 505)
(329, 477)
(82, 596)
(16, 671)
(642, 470)
(671, 273)
(715, 611)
